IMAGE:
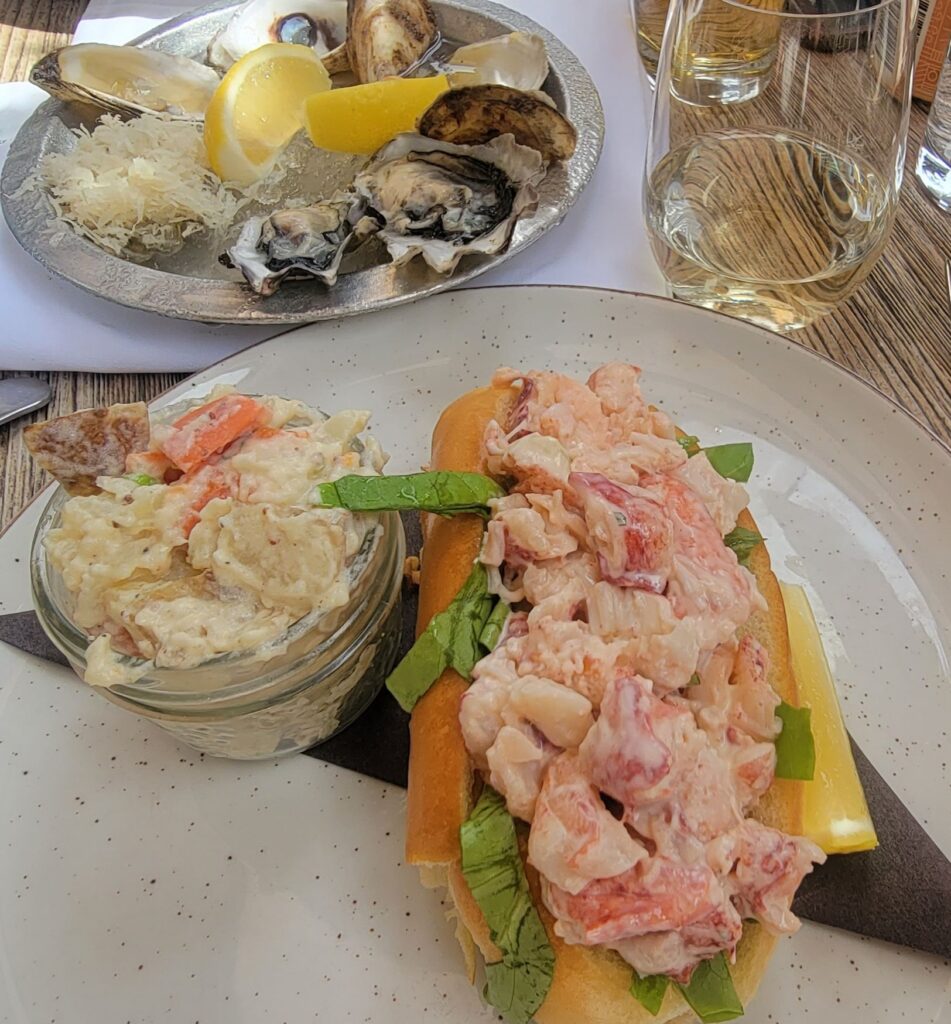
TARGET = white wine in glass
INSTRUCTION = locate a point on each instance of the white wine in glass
(649, 18)
(775, 209)
(771, 222)
(738, 47)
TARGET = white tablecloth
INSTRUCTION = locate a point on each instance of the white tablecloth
(49, 324)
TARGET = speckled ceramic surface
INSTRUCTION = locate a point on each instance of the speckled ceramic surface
(141, 883)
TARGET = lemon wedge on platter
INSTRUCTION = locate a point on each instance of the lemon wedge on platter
(363, 118)
(258, 108)
(835, 813)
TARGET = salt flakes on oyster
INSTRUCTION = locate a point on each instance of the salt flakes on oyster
(518, 59)
(320, 24)
(307, 241)
(127, 79)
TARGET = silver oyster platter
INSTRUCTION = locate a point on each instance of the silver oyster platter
(193, 284)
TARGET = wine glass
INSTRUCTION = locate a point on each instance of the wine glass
(650, 16)
(776, 151)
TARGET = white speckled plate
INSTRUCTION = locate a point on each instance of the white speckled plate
(141, 883)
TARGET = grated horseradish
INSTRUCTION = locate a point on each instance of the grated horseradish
(140, 187)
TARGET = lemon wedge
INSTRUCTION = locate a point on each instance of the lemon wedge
(835, 814)
(258, 108)
(362, 118)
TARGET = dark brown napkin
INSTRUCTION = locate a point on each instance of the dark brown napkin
(900, 892)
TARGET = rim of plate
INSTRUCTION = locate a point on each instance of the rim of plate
(785, 342)
(76, 259)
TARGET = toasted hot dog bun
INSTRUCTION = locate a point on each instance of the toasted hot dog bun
(590, 986)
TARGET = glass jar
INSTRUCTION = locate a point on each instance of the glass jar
(300, 690)
(775, 156)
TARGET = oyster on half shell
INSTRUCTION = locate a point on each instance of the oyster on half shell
(320, 24)
(418, 196)
(302, 241)
(127, 79)
(441, 201)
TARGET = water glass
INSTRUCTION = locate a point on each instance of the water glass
(772, 178)
(740, 46)
(934, 157)
(649, 17)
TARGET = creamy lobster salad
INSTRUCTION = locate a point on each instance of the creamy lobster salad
(204, 541)
(625, 715)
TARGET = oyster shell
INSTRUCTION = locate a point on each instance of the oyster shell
(127, 79)
(518, 59)
(442, 201)
(388, 37)
(476, 113)
(320, 24)
(302, 241)
(419, 196)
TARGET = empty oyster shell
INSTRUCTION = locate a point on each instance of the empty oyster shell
(304, 241)
(338, 60)
(476, 113)
(320, 24)
(442, 201)
(388, 37)
(518, 59)
(127, 79)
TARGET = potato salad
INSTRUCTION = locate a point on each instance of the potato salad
(209, 542)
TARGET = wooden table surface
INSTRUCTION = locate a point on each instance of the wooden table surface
(895, 331)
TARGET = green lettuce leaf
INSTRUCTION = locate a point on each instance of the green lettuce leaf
(649, 991)
(451, 638)
(734, 461)
(742, 541)
(795, 746)
(710, 992)
(419, 668)
(492, 867)
(494, 625)
(446, 493)
(730, 460)
(460, 625)
(142, 479)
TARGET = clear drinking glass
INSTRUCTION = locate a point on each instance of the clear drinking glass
(649, 17)
(740, 50)
(773, 202)
(934, 158)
